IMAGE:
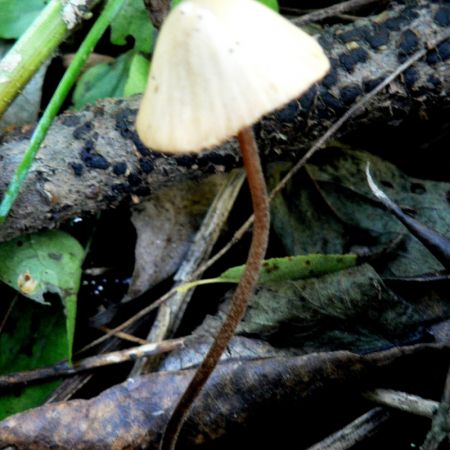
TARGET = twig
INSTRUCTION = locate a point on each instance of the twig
(91, 362)
(332, 11)
(441, 423)
(405, 402)
(355, 432)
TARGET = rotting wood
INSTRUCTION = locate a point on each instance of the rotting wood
(93, 160)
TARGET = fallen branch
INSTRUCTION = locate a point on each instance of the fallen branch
(93, 160)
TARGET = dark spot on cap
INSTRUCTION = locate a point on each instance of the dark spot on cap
(370, 85)
(442, 16)
(146, 165)
(378, 39)
(77, 168)
(351, 59)
(83, 130)
(119, 168)
(350, 93)
(55, 256)
(410, 76)
(70, 120)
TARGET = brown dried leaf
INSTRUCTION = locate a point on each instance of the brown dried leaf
(263, 392)
(165, 226)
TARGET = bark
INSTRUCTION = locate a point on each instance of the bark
(93, 159)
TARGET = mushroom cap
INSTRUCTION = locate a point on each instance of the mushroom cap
(218, 67)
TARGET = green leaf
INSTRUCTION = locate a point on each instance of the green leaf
(103, 80)
(33, 336)
(17, 16)
(289, 268)
(133, 20)
(45, 262)
(294, 267)
(273, 4)
(137, 76)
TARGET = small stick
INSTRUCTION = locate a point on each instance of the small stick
(332, 11)
(355, 432)
(405, 402)
(92, 362)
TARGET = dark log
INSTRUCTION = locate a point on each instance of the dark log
(93, 159)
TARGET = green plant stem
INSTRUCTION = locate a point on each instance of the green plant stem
(31, 50)
(111, 8)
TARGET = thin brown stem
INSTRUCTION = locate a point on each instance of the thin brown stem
(243, 291)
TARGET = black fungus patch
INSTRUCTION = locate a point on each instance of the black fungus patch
(434, 81)
(331, 101)
(444, 50)
(124, 124)
(146, 165)
(134, 180)
(350, 93)
(83, 131)
(442, 16)
(93, 160)
(288, 113)
(332, 77)
(142, 191)
(410, 76)
(378, 39)
(307, 99)
(371, 84)
(119, 168)
(351, 59)
(121, 188)
(70, 120)
(393, 23)
(439, 54)
(409, 43)
(356, 34)
(77, 168)
(186, 160)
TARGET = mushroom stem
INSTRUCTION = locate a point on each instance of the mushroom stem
(244, 290)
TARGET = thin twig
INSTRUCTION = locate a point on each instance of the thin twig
(92, 362)
(355, 432)
(332, 11)
(441, 423)
(405, 402)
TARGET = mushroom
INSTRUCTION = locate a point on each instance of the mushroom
(218, 67)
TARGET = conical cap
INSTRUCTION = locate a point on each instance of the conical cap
(219, 66)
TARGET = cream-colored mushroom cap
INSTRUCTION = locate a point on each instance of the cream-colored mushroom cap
(219, 66)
